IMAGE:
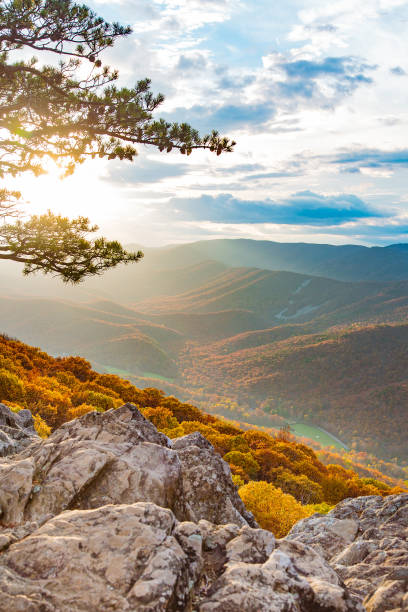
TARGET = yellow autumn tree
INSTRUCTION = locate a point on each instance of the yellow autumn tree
(273, 509)
(11, 387)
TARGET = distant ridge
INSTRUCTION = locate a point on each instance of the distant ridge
(340, 262)
(176, 269)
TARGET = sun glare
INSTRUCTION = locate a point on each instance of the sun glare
(83, 193)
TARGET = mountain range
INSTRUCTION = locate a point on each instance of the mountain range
(344, 262)
(313, 333)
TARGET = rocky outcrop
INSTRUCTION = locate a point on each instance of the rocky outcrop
(16, 430)
(139, 557)
(365, 540)
(119, 457)
(108, 514)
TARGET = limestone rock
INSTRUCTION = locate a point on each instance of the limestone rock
(16, 482)
(208, 490)
(329, 535)
(391, 595)
(10, 535)
(251, 545)
(355, 552)
(16, 430)
(123, 425)
(217, 535)
(293, 578)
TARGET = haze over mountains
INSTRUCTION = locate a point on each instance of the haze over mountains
(316, 333)
(345, 262)
(151, 276)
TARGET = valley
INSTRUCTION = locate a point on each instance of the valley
(319, 435)
(280, 346)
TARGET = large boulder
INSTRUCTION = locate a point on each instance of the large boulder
(119, 457)
(123, 557)
(208, 490)
(16, 430)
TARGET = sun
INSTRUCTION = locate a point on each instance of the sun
(84, 193)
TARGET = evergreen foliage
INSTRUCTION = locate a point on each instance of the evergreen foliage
(69, 111)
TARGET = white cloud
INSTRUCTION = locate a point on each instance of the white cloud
(272, 76)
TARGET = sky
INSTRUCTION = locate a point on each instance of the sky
(314, 92)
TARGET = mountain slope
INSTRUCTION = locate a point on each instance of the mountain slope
(123, 340)
(285, 297)
(111, 335)
(352, 382)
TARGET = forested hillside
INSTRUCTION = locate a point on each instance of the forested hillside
(353, 382)
(281, 347)
(276, 468)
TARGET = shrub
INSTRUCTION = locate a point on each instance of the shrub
(243, 460)
(11, 387)
(78, 411)
(300, 486)
(162, 418)
(96, 399)
(273, 509)
(41, 426)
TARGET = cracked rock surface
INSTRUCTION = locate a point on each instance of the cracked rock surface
(108, 514)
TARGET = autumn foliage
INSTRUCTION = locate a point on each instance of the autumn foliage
(350, 380)
(279, 479)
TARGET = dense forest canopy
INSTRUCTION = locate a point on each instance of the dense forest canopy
(62, 104)
(279, 479)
